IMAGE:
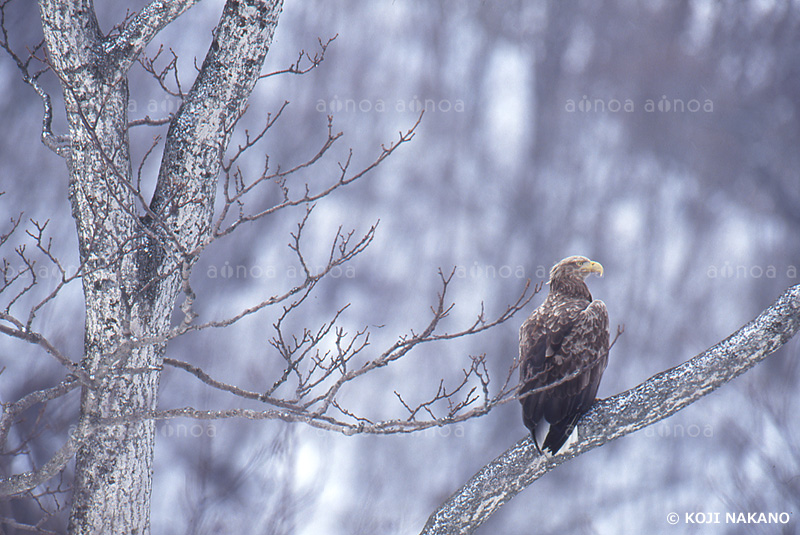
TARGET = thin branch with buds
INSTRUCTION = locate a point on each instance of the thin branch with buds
(148, 64)
(312, 62)
(59, 144)
(320, 377)
(280, 177)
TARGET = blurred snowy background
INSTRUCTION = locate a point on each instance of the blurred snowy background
(658, 138)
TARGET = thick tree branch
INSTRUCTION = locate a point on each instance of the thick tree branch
(37, 339)
(24, 482)
(74, 45)
(143, 27)
(12, 411)
(199, 133)
(657, 398)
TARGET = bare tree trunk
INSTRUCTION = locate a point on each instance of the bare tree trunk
(135, 266)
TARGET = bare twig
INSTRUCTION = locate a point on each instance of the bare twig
(620, 330)
(147, 121)
(313, 398)
(312, 61)
(280, 177)
(148, 64)
(58, 144)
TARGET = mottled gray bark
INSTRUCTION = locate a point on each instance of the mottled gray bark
(134, 265)
(657, 398)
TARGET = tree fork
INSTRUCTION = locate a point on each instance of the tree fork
(133, 265)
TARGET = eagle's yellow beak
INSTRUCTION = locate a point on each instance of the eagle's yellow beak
(592, 267)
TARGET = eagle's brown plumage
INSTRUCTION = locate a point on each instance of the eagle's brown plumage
(567, 336)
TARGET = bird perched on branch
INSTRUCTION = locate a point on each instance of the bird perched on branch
(563, 351)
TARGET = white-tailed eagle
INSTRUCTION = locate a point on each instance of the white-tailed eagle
(563, 351)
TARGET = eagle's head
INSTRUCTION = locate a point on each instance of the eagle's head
(568, 275)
